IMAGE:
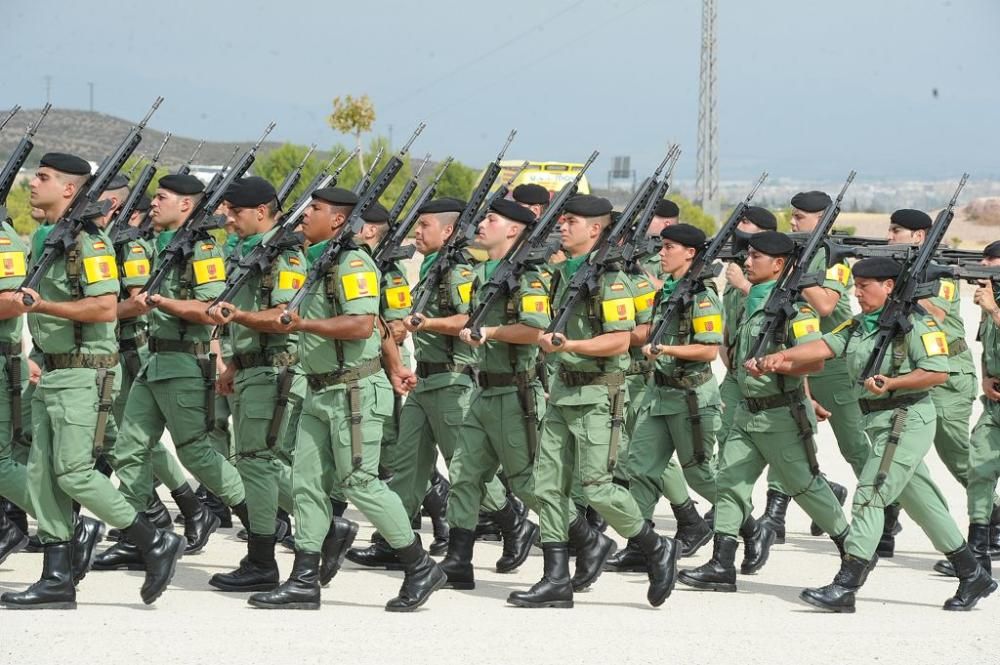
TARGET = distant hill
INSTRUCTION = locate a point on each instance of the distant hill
(94, 135)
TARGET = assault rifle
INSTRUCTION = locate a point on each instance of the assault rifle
(640, 245)
(185, 168)
(314, 184)
(702, 267)
(121, 232)
(391, 248)
(20, 154)
(463, 231)
(366, 177)
(976, 273)
(532, 248)
(85, 207)
(408, 189)
(201, 220)
(292, 179)
(345, 238)
(780, 306)
(10, 114)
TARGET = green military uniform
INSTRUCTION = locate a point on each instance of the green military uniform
(984, 445)
(578, 435)
(13, 373)
(268, 389)
(908, 480)
(329, 451)
(394, 306)
(174, 386)
(435, 410)
(681, 407)
(729, 389)
(510, 400)
(767, 430)
(80, 359)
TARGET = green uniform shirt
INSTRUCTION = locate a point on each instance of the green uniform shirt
(949, 299)
(133, 269)
(651, 265)
(13, 268)
(353, 290)
(202, 277)
(645, 296)
(98, 276)
(704, 322)
(926, 348)
(453, 297)
(528, 305)
(804, 327)
(732, 311)
(395, 298)
(989, 335)
(837, 278)
(287, 274)
(613, 310)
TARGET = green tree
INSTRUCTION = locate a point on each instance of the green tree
(693, 214)
(353, 117)
(19, 210)
(274, 166)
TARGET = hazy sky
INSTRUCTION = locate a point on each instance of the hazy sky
(808, 88)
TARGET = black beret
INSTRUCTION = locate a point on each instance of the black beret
(992, 250)
(376, 214)
(446, 204)
(588, 205)
(772, 243)
(65, 163)
(250, 192)
(338, 196)
(878, 267)
(531, 194)
(182, 184)
(811, 201)
(908, 218)
(143, 204)
(685, 234)
(117, 182)
(513, 211)
(762, 217)
(667, 208)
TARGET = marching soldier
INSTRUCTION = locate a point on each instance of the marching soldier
(72, 321)
(899, 419)
(773, 426)
(580, 429)
(339, 341)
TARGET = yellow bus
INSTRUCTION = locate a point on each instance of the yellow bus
(550, 175)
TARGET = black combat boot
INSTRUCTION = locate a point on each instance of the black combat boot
(519, 535)
(757, 541)
(241, 510)
(719, 574)
(661, 553)
(123, 555)
(199, 521)
(160, 550)
(838, 596)
(994, 533)
(377, 555)
(974, 583)
(282, 526)
(774, 514)
(86, 534)
(300, 591)
(338, 507)
(338, 540)
(840, 492)
(596, 520)
(219, 508)
(840, 541)
(555, 589)
(55, 590)
(158, 514)
(692, 529)
(421, 578)
(710, 518)
(435, 504)
(457, 565)
(628, 560)
(12, 538)
(16, 514)
(592, 549)
(979, 543)
(258, 570)
(887, 543)
(486, 528)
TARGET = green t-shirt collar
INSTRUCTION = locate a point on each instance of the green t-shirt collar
(870, 321)
(758, 295)
(428, 261)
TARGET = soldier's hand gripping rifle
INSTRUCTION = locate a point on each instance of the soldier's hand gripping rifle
(292, 179)
(702, 267)
(462, 233)
(85, 207)
(408, 189)
(20, 154)
(201, 220)
(345, 238)
(780, 306)
(121, 232)
(391, 249)
(366, 177)
(530, 250)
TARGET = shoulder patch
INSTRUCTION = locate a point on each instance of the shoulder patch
(356, 263)
(290, 280)
(707, 324)
(947, 290)
(465, 273)
(805, 327)
(100, 268)
(839, 273)
(359, 284)
(617, 286)
(704, 303)
(397, 280)
(12, 264)
(535, 304)
(935, 343)
(849, 323)
(931, 322)
(398, 297)
(136, 267)
(138, 250)
(619, 309)
(5, 241)
(536, 285)
(209, 270)
(294, 261)
(642, 284)
(99, 244)
(207, 246)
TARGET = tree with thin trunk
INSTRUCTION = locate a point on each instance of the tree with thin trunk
(354, 117)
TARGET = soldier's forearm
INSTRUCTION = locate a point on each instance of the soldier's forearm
(266, 320)
(449, 325)
(193, 311)
(602, 346)
(516, 333)
(705, 353)
(96, 309)
(822, 299)
(345, 326)
(639, 335)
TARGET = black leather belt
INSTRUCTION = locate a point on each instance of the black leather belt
(890, 403)
(264, 359)
(425, 369)
(80, 360)
(686, 382)
(758, 404)
(342, 376)
(505, 380)
(133, 343)
(157, 345)
(580, 379)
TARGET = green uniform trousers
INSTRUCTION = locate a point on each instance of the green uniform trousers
(832, 388)
(575, 443)
(428, 418)
(179, 405)
(323, 462)
(984, 463)
(771, 438)
(908, 482)
(953, 401)
(13, 471)
(652, 448)
(729, 391)
(266, 471)
(61, 462)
